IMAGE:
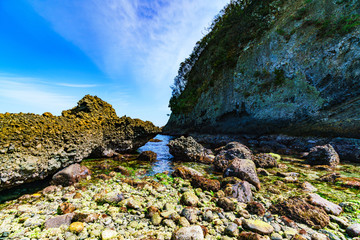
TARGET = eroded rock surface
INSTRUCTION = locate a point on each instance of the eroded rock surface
(36, 146)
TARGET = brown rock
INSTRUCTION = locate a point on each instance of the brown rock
(226, 204)
(264, 160)
(65, 208)
(299, 210)
(256, 208)
(205, 183)
(185, 172)
(251, 236)
(122, 170)
(148, 156)
(70, 175)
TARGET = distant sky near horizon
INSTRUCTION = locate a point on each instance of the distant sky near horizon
(126, 52)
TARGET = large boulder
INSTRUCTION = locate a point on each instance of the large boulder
(70, 175)
(186, 172)
(229, 152)
(243, 169)
(188, 150)
(299, 210)
(56, 222)
(323, 155)
(34, 147)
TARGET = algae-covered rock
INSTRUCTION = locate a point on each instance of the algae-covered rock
(36, 146)
(299, 210)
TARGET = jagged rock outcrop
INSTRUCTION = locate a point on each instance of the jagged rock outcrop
(33, 147)
(274, 66)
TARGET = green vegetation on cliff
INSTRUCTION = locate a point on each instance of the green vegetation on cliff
(265, 65)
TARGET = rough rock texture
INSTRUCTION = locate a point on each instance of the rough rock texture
(189, 233)
(188, 150)
(299, 210)
(186, 172)
(205, 183)
(274, 67)
(33, 147)
(229, 152)
(70, 175)
(244, 169)
(148, 156)
(242, 191)
(264, 160)
(328, 206)
(323, 155)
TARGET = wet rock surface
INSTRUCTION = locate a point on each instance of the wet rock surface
(323, 155)
(188, 150)
(130, 204)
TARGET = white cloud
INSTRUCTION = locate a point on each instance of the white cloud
(19, 94)
(77, 85)
(149, 37)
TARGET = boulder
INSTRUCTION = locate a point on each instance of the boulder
(189, 233)
(299, 210)
(58, 221)
(243, 169)
(205, 183)
(188, 150)
(323, 155)
(148, 156)
(185, 172)
(328, 206)
(190, 214)
(264, 160)
(242, 191)
(229, 152)
(70, 175)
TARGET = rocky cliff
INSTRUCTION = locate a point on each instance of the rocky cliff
(33, 147)
(274, 66)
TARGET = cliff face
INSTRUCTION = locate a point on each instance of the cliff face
(289, 67)
(35, 146)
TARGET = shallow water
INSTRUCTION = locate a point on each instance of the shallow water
(164, 160)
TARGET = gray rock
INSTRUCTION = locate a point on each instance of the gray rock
(319, 236)
(70, 175)
(189, 233)
(323, 155)
(353, 230)
(328, 206)
(188, 150)
(229, 152)
(58, 221)
(189, 199)
(257, 226)
(244, 169)
(242, 192)
(232, 230)
(190, 214)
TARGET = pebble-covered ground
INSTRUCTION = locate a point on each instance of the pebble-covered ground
(110, 205)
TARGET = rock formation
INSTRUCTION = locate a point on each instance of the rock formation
(36, 146)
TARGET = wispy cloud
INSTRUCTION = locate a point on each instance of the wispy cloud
(77, 85)
(19, 94)
(148, 38)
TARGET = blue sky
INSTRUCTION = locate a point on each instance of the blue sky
(127, 52)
